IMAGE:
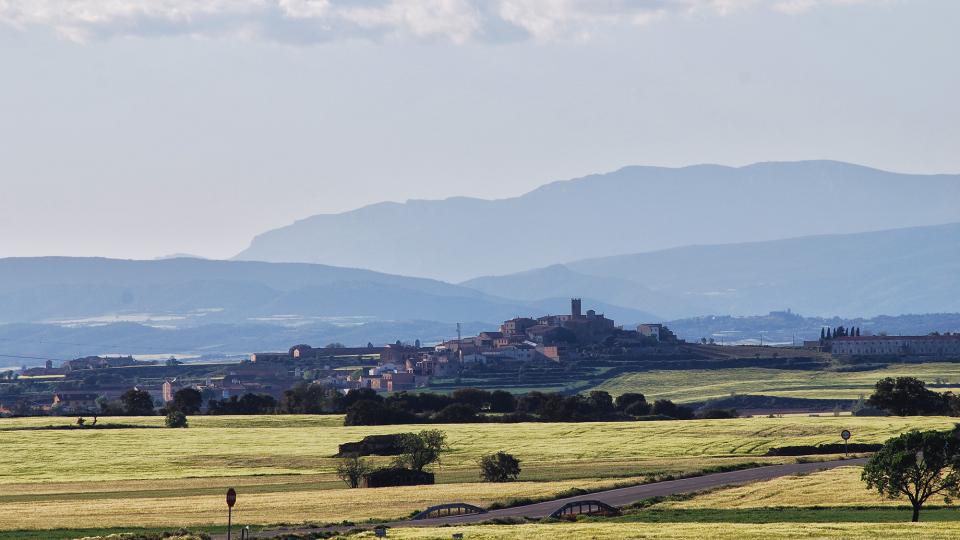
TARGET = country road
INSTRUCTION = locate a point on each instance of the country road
(614, 497)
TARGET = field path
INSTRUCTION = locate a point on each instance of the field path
(615, 497)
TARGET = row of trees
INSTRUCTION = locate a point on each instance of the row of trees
(472, 405)
(840, 331)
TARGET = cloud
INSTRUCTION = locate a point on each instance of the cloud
(310, 21)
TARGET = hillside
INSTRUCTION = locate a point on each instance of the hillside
(910, 270)
(634, 209)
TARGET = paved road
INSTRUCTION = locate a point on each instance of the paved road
(623, 496)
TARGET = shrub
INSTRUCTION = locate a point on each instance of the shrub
(671, 409)
(176, 419)
(499, 467)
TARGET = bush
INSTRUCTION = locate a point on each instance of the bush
(499, 467)
(502, 401)
(176, 419)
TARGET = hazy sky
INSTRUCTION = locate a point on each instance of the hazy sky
(143, 128)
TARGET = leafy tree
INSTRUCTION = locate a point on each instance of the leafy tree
(336, 345)
(352, 470)
(187, 400)
(917, 465)
(625, 400)
(471, 396)
(906, 396)
(499, 467)
(422, 449)
(502, 401)
(375, 413)
(601, 402)
(671, 409)
(456, 413)
(137, 402)
(638, 408)
(176, 419)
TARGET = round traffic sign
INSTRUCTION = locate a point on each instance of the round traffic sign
(231, 497)
(845, 434)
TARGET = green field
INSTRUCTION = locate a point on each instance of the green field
(701, 385)
(283, 469)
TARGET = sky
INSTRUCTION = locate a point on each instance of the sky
(138, 129)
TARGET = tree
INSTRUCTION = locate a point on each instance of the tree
(137, 402)
(176, 419)
(502, 401)
(375, 413)
(456, 413)
(625, 400)
(671, 409)
(601, 402)
(499, 467)
(351, 470)
(906, 396)
(187, 400)
(422, 449)
(918, 465)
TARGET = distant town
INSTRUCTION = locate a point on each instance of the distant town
(550, 351)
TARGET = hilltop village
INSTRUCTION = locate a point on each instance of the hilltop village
(551, 352)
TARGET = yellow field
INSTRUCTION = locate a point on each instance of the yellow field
(686, 531)
(322, 506)
(284, 472)
(837, 487)
(701, 385)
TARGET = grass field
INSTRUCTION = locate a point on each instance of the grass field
(829, 504)
(680, 386)
(283, 469)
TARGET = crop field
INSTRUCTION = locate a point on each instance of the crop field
(283, 469)
(829, 504)
(680, 387)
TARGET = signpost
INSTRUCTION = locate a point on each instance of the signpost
(845, 435)
(231, 500)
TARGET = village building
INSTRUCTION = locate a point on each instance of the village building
(933, 345)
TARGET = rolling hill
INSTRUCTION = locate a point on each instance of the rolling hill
(634, 209)
(911, 270)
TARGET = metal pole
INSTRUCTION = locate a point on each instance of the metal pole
(845, 453)
(229, 521)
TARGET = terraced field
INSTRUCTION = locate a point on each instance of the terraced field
(701, 385)
(282, 466)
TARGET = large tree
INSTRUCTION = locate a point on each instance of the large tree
(137, 402)
(422, 449)
(907, 396)
(916, 465)
(187, 401)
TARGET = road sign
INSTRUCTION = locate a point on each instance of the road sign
(845, 434)
(231, 500)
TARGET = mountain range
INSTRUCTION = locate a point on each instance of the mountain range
(911, 270)
(189, 292)
(632, 210)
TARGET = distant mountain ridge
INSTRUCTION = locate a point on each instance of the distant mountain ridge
(911, 270)
(191, 292)
(634, 209)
